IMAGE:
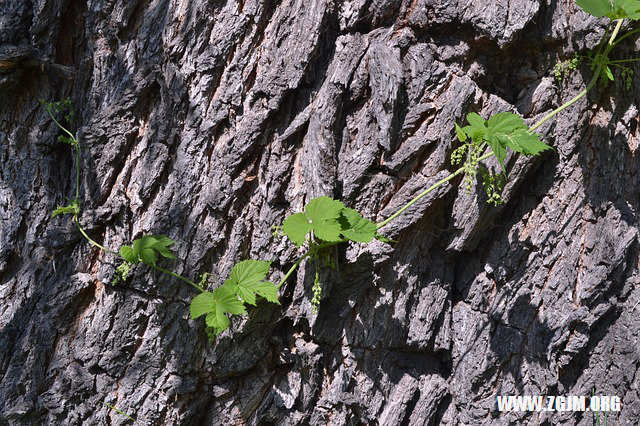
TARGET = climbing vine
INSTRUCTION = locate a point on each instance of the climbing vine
(325, 222)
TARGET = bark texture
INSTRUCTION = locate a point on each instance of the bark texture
(210, 121)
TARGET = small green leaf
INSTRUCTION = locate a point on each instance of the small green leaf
(202, 304)
(127, 254)
(323, 208)
(609, 73)
(297, 227)
(476, 121)
(320, 216)
(148, 256)
(147, 248)
(505, 122)
(462, 136)
(73, 209)
(597, 8)
(525, 142)
(217, 305)
(249, 271)
(357, 228)
(246, 281)
(499, 151)
(328, 230)
(268, 290)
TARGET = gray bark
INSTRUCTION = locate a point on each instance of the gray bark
(210, 121)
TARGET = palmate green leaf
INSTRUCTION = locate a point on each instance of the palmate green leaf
(505, 122)
(328, 230)
(216, 306)
(619, 9)
(246, 281)
(127, 254)
(504, 130)
(625, 9)
(323, 212)
(296, 227)
(202, 304)
(357, 228)
(525, 142)
(147, 248)
(462, 136)
(599, 8)
(323, 208)
(320, 216)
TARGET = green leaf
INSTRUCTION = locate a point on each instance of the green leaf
(323, 212)
(476, 121)
(147, 248)
(296, 227)
(217, 305)
(625, 9)
(505, 130)
(218, 321)
(249, 271)
(246, 281)
(202, 304)
(323, 208)
(597, 8)
(505, 122)
(268, 290)
(73, 208)
(328, 230)
(320, 216)
(357, 227)
(609, 73)
(499, 150)
(161, 243)
(148, 256)
(127, 254)
(462, 136)
(137, 247)
(227, 300)
(526, 142)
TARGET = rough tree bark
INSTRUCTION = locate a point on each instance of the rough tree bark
(209, 121)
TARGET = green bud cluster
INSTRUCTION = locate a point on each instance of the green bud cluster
(317, 293)
(471, 166)
(493, 185)
(122, 272)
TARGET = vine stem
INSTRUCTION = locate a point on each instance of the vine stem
(425, 192)
(293, 268)
(91, 241)
(592, 83)
(623, 61)
(180, 277)
(313, 250)
(76, 219)
(612, 43)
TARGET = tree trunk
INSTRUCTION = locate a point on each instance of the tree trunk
(210, 121)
